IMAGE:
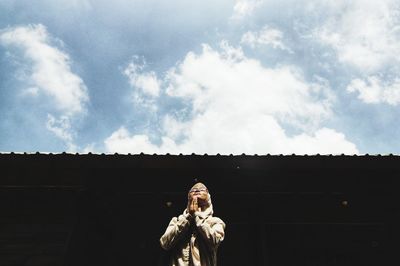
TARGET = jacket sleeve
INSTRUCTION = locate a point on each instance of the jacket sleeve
(176, 228)
(212, 229)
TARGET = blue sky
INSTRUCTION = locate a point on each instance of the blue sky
(244, 76)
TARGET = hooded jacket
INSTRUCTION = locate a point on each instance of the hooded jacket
(193, 241)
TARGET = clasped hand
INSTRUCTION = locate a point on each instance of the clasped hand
(193, 205)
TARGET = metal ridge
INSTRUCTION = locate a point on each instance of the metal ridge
(195, 154)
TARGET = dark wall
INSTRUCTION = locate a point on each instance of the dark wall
(279, 210)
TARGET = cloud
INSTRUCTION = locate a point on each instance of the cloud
(146, 86)
(81, 4)
(49, 73)
(374, 90)
(243, 8)
(240, 106)
(90, 148)
(228, 79)
(364, 34)
(31, 91)
(266, 36)
(50, 67)
(121, 141)
(62, 129)
(146, 82)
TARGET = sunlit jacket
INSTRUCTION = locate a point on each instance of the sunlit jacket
(194, 243)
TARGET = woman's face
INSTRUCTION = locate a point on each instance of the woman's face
(199, 191)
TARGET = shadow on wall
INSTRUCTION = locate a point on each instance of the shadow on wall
(125, 230)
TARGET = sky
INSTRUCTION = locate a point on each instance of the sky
(182, 76)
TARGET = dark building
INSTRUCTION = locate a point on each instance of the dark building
(82, 210)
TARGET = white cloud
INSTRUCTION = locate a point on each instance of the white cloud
(49, 74)
(50, 67)
(146, 86)
(323, 141)
(62, 129)
(121, 141)
(364, 34)
(31, 91)
(65, 5)
(81, 4)
(239, 106)
(90, 148)
(266, 36)
(243, 8)
(146, 82)
(218, 80)
(374, 90)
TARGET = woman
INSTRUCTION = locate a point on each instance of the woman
(194, 236)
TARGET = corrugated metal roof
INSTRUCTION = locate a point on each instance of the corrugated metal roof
(195, 154)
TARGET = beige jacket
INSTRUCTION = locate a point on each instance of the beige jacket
(193, 241)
